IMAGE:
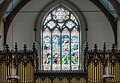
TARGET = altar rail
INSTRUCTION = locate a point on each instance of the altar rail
(97, 60)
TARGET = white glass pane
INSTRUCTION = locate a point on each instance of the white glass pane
(74, 49)
(46, 49)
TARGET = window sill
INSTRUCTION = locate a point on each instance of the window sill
(59, 74)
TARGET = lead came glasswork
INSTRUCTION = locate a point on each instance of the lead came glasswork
(60, 14)
(47, 19)
(61, 40)
(74, 49)
(51, 24)
(70, 24)
(56, 49)
(65, 50)
(47, 49)
(74, 19)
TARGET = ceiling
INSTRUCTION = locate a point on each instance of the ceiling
(109, 6)
(105, 3)
(13, 4)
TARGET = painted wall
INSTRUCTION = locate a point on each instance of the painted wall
(22, 27)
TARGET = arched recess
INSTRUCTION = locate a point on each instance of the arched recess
(69, 6)
(109, 16)
(11, 16)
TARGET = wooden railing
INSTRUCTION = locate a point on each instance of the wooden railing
(97, 63)
(100, 62)
(23, 61)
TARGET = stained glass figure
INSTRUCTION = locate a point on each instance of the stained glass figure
(65, 50)
(47, 49)
(56, 49)
(74, 49)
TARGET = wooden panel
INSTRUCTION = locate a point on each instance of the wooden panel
(46, 80)
(63, 80)
(95, 72)
(4, 73)
(25, 73)
(20, 72)
(115, 70)
(81, 80)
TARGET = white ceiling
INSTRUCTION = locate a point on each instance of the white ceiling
(106, 4)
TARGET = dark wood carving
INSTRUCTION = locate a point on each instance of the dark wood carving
(25, 56)
(96, 55)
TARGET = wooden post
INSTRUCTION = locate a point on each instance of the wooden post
(118, 33)
(116, 6)
(1, 34)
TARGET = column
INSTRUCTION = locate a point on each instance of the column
(1, 34)
(118, 33)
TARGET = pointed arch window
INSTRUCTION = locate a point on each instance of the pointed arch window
(61, 40)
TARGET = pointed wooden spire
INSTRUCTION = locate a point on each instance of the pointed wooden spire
(7, 47)
(95, 47)
(86, 48)
(16, 48)
(25, 48)
(34, 49)
(104, 46)
(113, 48)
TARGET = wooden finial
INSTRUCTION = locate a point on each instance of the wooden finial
(16, 47)
(25, 48)
(95, 47)
(104, 46)
(7, 47)
(34, 49)
(113, 47)
(86, 48)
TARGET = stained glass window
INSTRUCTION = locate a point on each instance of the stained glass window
(65, 50)
(56, 49)
(47, 49)
(61, 40)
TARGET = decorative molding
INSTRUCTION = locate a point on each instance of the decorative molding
(61, 74)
